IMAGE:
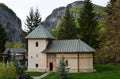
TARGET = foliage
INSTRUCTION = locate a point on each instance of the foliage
(18, 45)
(13, 45)
(33, 19)
(9, 45)
(18, 67)
(77, 8)
(55, 31)
(17, 64)
(88, 23)
(98, 30)
(103, 71)
(109, 51)
(7, 71)
(24, 40)
(62, 72)
(67, 27)
(3, 38)
(8, 56)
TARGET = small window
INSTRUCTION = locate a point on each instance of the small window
(36, 44)
(36, 55)
(36, 65)
(66, 62)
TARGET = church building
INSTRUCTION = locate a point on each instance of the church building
(44, 52)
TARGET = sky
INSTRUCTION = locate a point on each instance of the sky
(22, 7)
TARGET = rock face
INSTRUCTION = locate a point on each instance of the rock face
(53, 19)
(11, 23)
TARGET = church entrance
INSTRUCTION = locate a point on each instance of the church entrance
(51, 62)
(51, 66)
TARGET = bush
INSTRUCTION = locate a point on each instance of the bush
(7, 71)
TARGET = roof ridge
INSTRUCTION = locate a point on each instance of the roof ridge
(40, 32)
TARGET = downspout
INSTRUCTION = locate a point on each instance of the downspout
(78, 60)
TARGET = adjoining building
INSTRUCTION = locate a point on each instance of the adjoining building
(44, 52)
(19, 54)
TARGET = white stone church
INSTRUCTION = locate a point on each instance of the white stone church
(44, 52)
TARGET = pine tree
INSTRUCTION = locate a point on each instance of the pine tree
(33, 19)
(61, 69)
(8, 56)
(17, 65)
(110, 51)
(88, 25)
(67, 27)
(3, 38)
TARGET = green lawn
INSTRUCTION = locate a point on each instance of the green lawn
(103, 72)
(34, 73)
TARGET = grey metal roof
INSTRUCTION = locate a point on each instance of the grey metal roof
(39, 32)
(68, 46)
(15, 50)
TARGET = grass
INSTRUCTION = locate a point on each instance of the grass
(34, 73)
(108, 71)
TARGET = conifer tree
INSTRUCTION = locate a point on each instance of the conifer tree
(8, 56)
(67, 27)
(88, 24)
(3, 38)
(17, 65)
(61, 69)
(33, 19)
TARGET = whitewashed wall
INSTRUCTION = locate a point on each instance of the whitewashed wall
(35, 56)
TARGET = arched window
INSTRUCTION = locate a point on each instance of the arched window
(36, 44)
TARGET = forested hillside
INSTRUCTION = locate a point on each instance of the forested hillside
(54, 18)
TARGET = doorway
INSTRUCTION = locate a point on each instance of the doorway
(51, 66)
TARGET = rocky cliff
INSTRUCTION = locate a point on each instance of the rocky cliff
(11, 23)
(52, 20)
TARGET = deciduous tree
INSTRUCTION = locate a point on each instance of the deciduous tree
(7, 71)
(110, 51)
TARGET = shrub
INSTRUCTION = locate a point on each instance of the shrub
(7, 71)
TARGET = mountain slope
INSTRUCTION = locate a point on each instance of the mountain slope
(11, 23)
(53, 19)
